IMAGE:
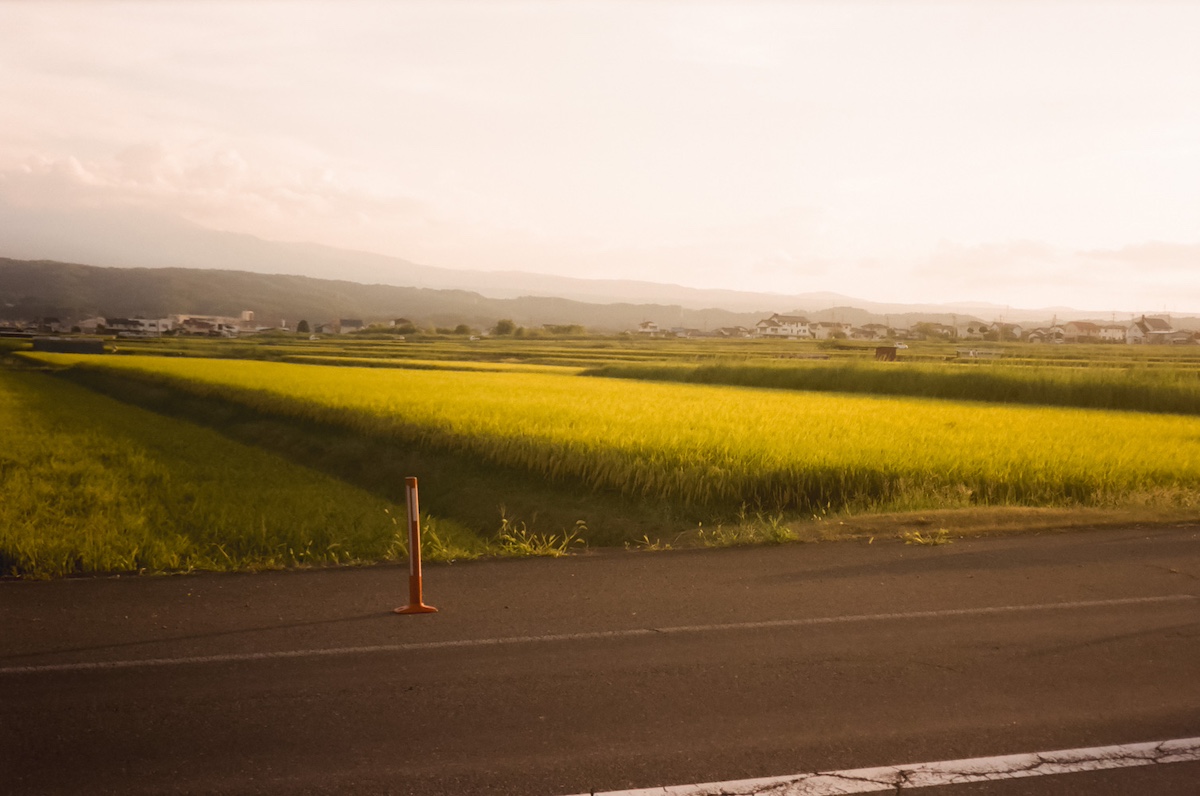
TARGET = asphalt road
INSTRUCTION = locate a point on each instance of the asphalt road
(609, 671)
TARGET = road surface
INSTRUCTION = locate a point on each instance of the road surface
(610, 671)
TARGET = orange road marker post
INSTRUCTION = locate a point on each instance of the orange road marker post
(415, 603)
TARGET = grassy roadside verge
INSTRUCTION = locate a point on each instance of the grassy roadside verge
(936, 526)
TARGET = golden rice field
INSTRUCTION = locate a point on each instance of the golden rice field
(428, 364)
(721, 446)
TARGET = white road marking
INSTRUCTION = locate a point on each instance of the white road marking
(947, 772)
(416, 646)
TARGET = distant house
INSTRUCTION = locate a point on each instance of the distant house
(1113, 332)
(1081, 331)
(1180, 337)
(197, 326)
(1147, 330)
(137, 327)
(1052, 334)
(89, 325)
(1006, 331)
(649, 329)
(733, 331)
(114, 324)
(790, 327)
(340, 326)
(826, 330)
(873, 331)
(214, 325)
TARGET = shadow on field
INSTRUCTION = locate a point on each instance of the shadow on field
(453, 486)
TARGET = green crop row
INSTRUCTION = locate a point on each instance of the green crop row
(598, 351)
(1141, 389)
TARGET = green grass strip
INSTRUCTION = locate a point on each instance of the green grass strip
(1134, 388)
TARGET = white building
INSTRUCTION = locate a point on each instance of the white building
(137, 327)
(790, 327)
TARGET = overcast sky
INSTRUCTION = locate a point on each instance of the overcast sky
(1026, 153)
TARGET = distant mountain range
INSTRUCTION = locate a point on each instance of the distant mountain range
(128, 238)
(30, 290)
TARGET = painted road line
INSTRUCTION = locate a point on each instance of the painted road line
(601, 635)
(947, 772)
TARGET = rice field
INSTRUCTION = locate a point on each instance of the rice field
(90, 485)
(721, 447)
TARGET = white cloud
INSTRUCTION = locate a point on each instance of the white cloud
(212, 186)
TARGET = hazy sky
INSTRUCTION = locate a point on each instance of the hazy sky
(1028, 153)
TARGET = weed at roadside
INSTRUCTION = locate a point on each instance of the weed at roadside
(645, 544)
(441, 540)
(514, 539)
(933, 538)
(759, 529)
